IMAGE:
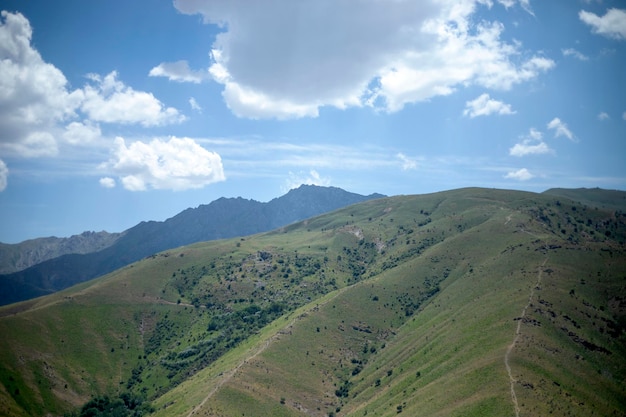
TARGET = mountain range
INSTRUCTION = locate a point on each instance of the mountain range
(60, 263)
(470, 302)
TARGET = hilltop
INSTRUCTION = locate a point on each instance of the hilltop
(469, 302)
(222, 218)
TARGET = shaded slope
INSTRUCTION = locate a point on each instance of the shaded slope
(19, 256)
(222, 218)
(403, 304)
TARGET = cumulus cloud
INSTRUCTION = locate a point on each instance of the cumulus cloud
(531, 144)
(38, 110)
(33, 93)
(483, 105)
(574, 53)
(78, 133)
(603, 116)
(521, 175)
(560, 128)
(107, 182)
(109, 100)
(178, 71)
(407, 163)
(176, 164)
(612, 24)
(274, 61)
(4, 174)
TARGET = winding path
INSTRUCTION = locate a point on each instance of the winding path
(227, 376)
(510, 348)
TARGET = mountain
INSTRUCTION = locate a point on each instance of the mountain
(471, 302)
(19, 256)
(223, 218)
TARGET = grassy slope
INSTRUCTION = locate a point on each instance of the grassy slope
(443, 280)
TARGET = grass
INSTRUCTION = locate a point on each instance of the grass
(399, 305)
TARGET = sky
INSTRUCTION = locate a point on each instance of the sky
(115, 112)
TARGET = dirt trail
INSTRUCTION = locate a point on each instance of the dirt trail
(520, 320)
(227, 376)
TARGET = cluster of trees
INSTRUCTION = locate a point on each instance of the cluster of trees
(126, 405)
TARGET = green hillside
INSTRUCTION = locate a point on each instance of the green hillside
(470, 302)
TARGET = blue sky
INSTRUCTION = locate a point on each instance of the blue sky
(113, 112)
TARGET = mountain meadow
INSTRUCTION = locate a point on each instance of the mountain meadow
(471, 302)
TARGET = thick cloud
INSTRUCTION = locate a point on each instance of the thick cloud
(612, 24)
(37, 109)
(109, 100)
(33, 93)
(178, 164)
(285, 59)
(77, 133)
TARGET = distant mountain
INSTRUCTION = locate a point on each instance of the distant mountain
(19, 256)
(223, 218)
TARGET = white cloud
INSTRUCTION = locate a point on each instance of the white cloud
(603, 116)
(107, 182)
(33, 94)
(521, 175)
(407, 163)
(532, 144)
(194, 105)
(37, 108)
(483, 105)
(560, 128)
(612, 24)
(624, 115)
(178, 71)
(275, 62)
(178, 164)
(34, 145)
(4, 174)
(78, 133)
(507, 3)
(574, 53)
(110, 101)
(309, 178)
(525, 4)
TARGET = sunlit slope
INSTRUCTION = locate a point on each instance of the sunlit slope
(468, 302)
(362, 352)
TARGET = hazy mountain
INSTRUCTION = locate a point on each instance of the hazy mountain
(223, 218)
(19, 256)
(470, 302)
